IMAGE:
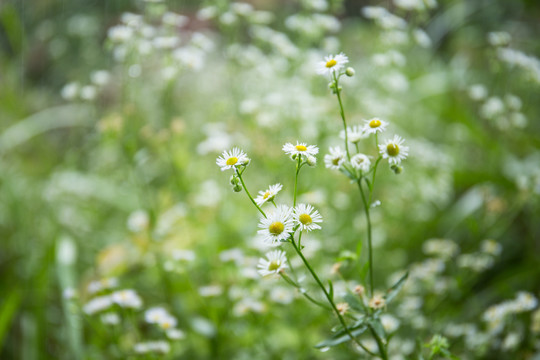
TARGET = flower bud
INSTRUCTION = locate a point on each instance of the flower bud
(246, 162)
(237, 188)
(234, 180)
(349, 72)
(311, 160)
(396, 169)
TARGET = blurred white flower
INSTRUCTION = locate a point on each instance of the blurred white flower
(127, 298)
(335, 159)
(361, 162)
(274, 263)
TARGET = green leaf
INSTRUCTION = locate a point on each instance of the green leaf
(394, 290)
(342, 336)
(330, 289)
(347, 255)
(7, 312)
(354, 302)
(378, 328)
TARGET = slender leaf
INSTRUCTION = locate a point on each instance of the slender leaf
(394, 290)
(354, 302)
(342, 336)
(330, 289)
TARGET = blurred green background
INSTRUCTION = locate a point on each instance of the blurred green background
(74, 169)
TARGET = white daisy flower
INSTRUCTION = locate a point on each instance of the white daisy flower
(306, 217)
(394, 150)
(269, 194)
(300, 149)
(377, 302)
(332, 64)
(361, 162)
(155, 315)
(335, 159)
(277, 225)
(231, 159)
(354, 134)
(127, 298)
(167, 322)
(375, 125)
(274, 263)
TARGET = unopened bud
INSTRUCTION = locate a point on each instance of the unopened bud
(246, 162)
(349, 72)
(237, 188)
(234, 180)
(396, 169)
(311, 160)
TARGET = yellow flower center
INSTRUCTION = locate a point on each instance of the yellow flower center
(335, 161)
(276, 228)
(274, 265)
(331, 63)
(392, 149)
(305, 219)
(165, 325)
(232, 160)
(375, 123)
(301, 148)
(266, 195)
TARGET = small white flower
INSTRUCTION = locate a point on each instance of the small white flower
(274, 263)
(175, 334)
(155, 315)
(300, 149)
(231, 159)
(277, 226)
(377, 302)
(375, 125)
(361, 162)
(307, 217)
(394, 150)
(332, 64)
(389, 323)
(354, 134)
(110, 319)
(269, 194)
(167, 322)
(152, 346)
(335, 159)
(127, 299)
(97, 304)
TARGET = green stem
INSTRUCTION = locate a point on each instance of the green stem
(380, 344)
(296, 178)
(370, 250)
(342, 113)
(247, 192)
(326, 294)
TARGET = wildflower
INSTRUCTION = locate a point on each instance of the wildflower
(231, 159)
(210, 290)
(491, 247)
(332, 64)
(273, 264)
(269, 194)
(374, 125)
(127, 299)
(306, 217)
(394, 150)
(103, 284)
(377, 302)
(342, 308)
(167, 322)
(152, 346)
(175, 334)
(335, 159)
(110, 319)
(389, 323)
(361, 162)
(354, 134)
(360, 290)
(138, 221)
(277, 226)
(97, 304)
(155, 315)
(301, 149)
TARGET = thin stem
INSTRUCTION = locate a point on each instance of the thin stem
(247, 192)
(342, 113)
(380, 344)
(370, 250)
(303, 292)
(296, 178)
(330, 300)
